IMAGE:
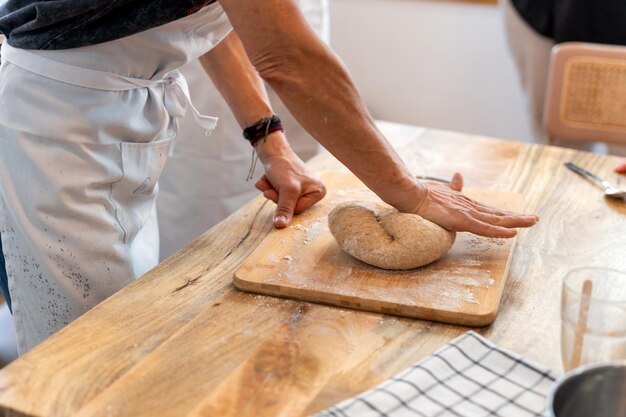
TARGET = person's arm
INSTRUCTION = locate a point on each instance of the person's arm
(317, 89)
(286, 182)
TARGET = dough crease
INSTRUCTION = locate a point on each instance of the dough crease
(379, 235)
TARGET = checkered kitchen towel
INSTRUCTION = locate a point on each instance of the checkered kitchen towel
(468, 377)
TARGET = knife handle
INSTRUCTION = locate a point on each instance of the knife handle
(585, 173)
(426, 177)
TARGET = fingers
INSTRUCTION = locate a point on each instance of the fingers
(263, 184)
(271, 195)
(621, 168)
(309, 199)
(489, 230)
(487, 221)
(291, 195)
(525, 219)
(508, 220)
(268, 190)
(448, 207)
(305, 201)
(490, 215)
(287, 200)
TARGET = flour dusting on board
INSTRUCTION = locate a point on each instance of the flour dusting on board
(313, 232)
(448, 289)
(446, 285)
(452, 297)
(306, 263)
(309, 231)
(314, 226)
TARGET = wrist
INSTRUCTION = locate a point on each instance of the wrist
(258, 134)
(275, 145)
(260, 130)
(408, 195)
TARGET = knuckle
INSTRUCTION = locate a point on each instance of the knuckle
(283, 210)
(322, 189)
(291, 187)
(493, 219)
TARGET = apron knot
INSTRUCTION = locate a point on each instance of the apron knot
(177, 99)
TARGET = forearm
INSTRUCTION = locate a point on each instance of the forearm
(286, 180)
(244, 91)
(237, 80)
(319, 92)
(317, 89)
(325, 93)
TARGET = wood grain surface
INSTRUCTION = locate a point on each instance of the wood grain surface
(304, 262)
(182, 341)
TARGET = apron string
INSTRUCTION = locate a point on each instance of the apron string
(176, 95)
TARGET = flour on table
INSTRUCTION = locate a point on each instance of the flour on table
(450, 298)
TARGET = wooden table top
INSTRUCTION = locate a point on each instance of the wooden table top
(181, 341)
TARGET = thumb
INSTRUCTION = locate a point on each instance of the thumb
(287, 199)
(457, 182)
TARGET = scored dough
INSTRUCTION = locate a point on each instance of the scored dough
(379, 235)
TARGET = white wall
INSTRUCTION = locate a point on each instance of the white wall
(437, 63)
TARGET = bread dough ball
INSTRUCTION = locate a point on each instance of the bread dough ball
(379, 235)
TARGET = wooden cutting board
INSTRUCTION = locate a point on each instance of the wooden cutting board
(303, 261)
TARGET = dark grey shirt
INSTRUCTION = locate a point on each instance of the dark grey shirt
(64, 24)
(598, 21)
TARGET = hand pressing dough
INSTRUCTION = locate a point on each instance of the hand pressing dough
(379, 235)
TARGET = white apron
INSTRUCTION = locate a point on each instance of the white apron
(84, 136)
(205, 180)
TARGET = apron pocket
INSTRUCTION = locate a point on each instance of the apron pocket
(135, 194)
